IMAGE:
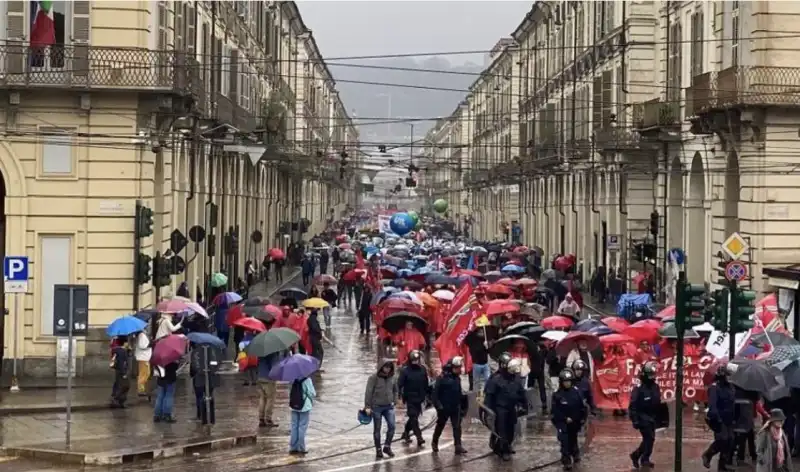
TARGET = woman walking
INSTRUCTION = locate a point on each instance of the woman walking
(301, 399)
(772, 446)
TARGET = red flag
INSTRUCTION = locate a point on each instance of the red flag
(457, 324)
(359, 260)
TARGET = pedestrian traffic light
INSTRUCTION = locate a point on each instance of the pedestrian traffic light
(742, 310)
(144, 221)
(142, 269)
(654, 223)
(719, 310)
(690, 305)
(162, 272)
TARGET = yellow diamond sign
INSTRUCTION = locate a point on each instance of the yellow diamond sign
(735, 246)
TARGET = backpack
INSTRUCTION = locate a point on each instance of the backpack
(297, 397)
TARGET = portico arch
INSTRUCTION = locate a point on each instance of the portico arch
(696, 234)
(674, 228)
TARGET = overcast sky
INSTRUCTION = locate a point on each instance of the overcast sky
(367, 28)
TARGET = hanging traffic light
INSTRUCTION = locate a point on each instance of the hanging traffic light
(719, 310)
(162, 271)
(654, 223)
(689, 306)
(144, 221)
(742, 310)
(142, 269)
(382, 149)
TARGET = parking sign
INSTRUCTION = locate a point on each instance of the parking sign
(15, 274)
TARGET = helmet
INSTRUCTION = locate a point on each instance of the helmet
(579, 365)
(649, 370)
(414, 356)
(457, 361)
(504, 360)
(566, 375)
(722, 372)
(515, 366)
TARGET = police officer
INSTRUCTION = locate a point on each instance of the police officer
(720, 418)
(583, 383)
(505, 396)
(643, 411)
(568, 411)
(412, 386)
(449, 400)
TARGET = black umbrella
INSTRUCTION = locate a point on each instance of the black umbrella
(403, 283)
(522, 325)
(257, 301)
(493, 276)
(505, 344)
(528, 329)
(294, 293)
(397, 321)
(146, 314)
(757, 376)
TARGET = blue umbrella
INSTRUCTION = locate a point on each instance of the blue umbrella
(601, 330)
(296, 367)
(423, 271)
(125, 326)
(227, 298)
(382, 295)
(206, 339)
(513, 268)
(587, 325)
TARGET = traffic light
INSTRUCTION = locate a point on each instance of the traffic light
(144, 221)
(382, 149)
(142, 269)
(690, 305)
(162, 271)
(719, 309)
(654, 223)
(742, 310)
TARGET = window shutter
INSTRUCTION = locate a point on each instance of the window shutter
(234, 75)
(608, 106)
(177, 25)
(218, 66)
(15, 32)
(597, 102)
(191, 30)
(80, 37)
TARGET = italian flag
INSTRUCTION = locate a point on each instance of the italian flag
(43, 31)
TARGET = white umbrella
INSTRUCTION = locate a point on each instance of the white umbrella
(555, 335)
(704, 328)
(445, 295)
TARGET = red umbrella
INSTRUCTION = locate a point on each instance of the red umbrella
(507, 281)
(525, 282)
(616, 338)
(325, 278)
(668, 312)
(388, 273)
(574, 338)
(470, 272)
(273, 310)
(557, 322)
(276, 253)
(250, 324)
(521, 249)
(645, 330)
(169, 349)
(234, 313)
(341, 238)
(499, 289)
(353, 275)
(615, 323)
(497, 307)
(392, 305)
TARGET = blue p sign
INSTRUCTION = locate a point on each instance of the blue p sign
(15, 269)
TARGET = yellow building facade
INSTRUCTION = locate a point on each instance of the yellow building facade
(166, 103)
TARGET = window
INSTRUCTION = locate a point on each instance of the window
(697, 43)
(245, 76)
(56, 258)
(57, 153)
(734, 34)
(51, 56)
(225, 68)
(674, 62)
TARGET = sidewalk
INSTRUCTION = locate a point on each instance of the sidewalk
(90, 393)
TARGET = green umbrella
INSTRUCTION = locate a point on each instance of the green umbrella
(670, 331)
(272, 341)
(219, 280)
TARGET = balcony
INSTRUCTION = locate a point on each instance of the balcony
(83, 67)
(544, 154)
(656, 115)
(743, 86)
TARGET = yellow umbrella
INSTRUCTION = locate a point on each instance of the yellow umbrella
(315, 303)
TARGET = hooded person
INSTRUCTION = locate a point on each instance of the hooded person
(568, 411)
(408, 339)
(505, 397)
(449, 401)
(569, 306)
(772, 445)
(412, 385)
(379, 397)
(643, 411)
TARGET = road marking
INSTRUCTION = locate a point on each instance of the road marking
(385, 461)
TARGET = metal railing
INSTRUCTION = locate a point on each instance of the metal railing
(743, 85)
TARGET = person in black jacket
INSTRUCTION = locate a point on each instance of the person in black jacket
(412, 385)
(315, 336)
(363, 299)
(643, 410)
(120, 360)
(720, 418)
(448, 399)
(568, 411)
(203, 368)
(538, 374)
(580, 369)
(505, 397)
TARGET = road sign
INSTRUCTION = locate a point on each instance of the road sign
(735, 246)
(15, 274)
(735, 271)
(677, 256)
(613, 242)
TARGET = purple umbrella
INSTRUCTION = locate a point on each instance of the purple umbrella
(169, 349)
(296, 367)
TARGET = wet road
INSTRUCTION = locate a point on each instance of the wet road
(337, 444)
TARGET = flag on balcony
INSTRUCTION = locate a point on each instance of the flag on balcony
(43, 26)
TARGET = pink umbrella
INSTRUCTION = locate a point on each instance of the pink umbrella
(169, 349)
(616, 324)
(276, 253)
(574, 338)
(174, 305)
(557, 322)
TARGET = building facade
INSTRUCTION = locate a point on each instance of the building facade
(199, 110)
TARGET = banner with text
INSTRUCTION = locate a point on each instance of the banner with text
(616, 376)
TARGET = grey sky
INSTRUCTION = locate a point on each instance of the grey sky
(366, 28)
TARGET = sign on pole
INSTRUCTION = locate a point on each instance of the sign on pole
(15, 274)
(735, 246)
(735, 271)
(613, 242)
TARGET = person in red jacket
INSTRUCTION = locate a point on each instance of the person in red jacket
(406, 340)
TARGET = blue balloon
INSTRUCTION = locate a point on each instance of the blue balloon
(401, 224)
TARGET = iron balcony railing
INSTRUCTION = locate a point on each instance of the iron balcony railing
(93, 67)
(743, 86)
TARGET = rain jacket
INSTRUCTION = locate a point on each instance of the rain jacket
(412, 383)
(381, 388)
(407, 340)
(447, 392)
(767, 450)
